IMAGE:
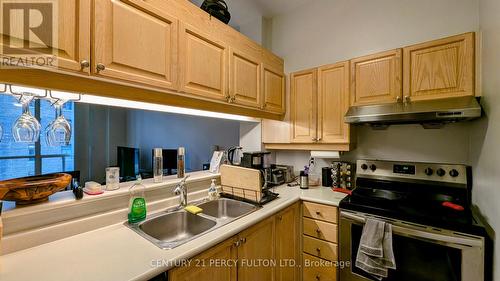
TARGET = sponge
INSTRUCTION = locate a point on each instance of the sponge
(193, 209)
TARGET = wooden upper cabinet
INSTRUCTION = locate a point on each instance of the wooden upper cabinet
(274, 89)
(376, 79)
(135, 41)
(257, 244)
(244, 79)
(71, 44)
(440, 69)
(202, 60)
(303, 107)
(333, 103)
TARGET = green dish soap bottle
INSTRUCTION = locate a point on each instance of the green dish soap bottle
(137, 204)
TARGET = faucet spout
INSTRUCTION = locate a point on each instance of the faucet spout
(181, 190)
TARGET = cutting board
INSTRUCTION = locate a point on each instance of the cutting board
(241, 182)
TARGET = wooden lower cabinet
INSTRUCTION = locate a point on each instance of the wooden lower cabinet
(287, 244)
(319, 242)
(255, 251)
(262, 252)
(204, 268)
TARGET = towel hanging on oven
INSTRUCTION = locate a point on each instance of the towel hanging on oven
(218, 9)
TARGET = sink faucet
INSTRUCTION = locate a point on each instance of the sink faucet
(181, 190)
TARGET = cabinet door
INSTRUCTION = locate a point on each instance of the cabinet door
(244, 79)
(287, 244)
(376, 79)
(203, 64)
(333, 98)
(274, 89)
(303, 108)
(256, 250)
(440, 69)
(70, 39)
(204, 268)
(135, 41)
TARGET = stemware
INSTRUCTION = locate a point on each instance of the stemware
(26, 129)
(1, 132)
(58, 132)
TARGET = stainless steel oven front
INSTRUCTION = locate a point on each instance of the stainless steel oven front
(422, 253)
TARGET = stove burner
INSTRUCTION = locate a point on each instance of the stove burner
(377, 194)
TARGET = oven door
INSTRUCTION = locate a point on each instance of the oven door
(422, 253)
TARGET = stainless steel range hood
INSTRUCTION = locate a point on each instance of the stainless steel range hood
(420, 112)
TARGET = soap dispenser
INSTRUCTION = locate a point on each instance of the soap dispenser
(137, 204)
(213, 194)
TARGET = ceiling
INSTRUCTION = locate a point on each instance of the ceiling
(244, 10)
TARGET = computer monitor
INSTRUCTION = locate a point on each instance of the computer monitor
(128, 162)
(169, 160)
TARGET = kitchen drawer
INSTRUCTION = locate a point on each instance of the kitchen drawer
(318, 269)
(320, 229)
(320, 248)
(320, 212)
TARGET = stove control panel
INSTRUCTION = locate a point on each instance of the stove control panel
(416, 171)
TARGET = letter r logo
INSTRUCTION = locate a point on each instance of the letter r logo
(27, 27)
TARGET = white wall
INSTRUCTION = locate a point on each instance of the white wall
(485, 137)
(327, 31)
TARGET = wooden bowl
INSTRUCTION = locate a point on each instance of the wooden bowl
(31, 190)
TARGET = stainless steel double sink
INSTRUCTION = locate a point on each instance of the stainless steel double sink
(173, 228)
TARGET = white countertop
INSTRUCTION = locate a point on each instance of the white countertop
(118, 253)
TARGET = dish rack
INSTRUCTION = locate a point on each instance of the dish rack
(255, 197)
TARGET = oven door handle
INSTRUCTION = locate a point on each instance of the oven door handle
(423, 235)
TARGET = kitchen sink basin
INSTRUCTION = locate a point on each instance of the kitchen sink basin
(168, 230)
(178, 226)
(226, 208)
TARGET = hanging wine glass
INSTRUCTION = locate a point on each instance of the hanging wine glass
(58, 132)
(1, 132)
(26, 129)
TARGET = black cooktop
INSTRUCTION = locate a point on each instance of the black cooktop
(412, 208)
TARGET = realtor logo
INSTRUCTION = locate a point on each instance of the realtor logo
(29, 33)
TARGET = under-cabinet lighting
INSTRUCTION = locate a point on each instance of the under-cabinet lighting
(163, 108)
(91, 99)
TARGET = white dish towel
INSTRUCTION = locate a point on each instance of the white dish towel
(375, 254)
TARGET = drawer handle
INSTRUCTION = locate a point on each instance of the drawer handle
(318, 250)
(318, 213)
(318, 277)
(318, 231)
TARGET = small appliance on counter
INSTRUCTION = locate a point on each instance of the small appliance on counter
(279, 174)
(256, 160)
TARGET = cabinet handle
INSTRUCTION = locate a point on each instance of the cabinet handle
(407, 99)
(318, 277)
(280, 218)
(319, 139)
(100, 67)
(84, 64)
(237, 243)
(398, 99)
(243, 241)
(233, 99)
